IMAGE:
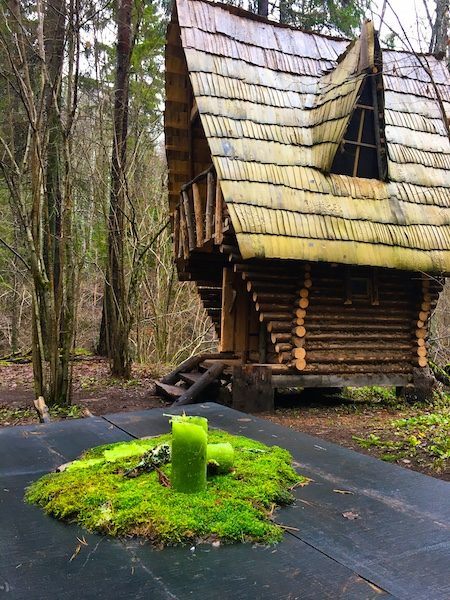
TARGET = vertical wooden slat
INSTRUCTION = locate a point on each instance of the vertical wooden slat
(198, 212)
(210, 193)
(218, 226)
(374, 82)
(241, 321)
(184, 246)
(262, 343)
(358, 147)
(227, 314)
(189, 219)
(176, 231)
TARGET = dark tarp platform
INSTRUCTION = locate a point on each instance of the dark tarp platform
(399, 547)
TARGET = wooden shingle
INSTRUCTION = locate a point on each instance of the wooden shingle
(275, 103)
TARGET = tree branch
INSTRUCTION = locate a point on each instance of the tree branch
(16, 254)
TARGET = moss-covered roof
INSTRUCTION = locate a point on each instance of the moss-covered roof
(275, 102)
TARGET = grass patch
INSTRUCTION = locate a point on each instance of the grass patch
(373, 395)
(92, 383)
(236, 507)
(424, 436)
(14, 416)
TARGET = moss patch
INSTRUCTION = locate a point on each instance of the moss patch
(424, 437)
(236, 507)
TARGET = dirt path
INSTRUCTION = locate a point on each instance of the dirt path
(93, 389)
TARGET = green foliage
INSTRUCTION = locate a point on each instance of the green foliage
(89, 382)
(324, 16)
(235, 507)
(372, 394)
(425, 437)
(12, 416)
(66, 412)
(332, 16)
(82, 352)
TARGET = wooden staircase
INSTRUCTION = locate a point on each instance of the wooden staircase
(211, 297)
(196, 378)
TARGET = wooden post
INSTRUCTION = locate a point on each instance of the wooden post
(241, 319)
(198, 212)
(218, 226)
(184, 245)
(176, 232)
(210, 196)
(189, 219)
(227, 314)
(252, 389)
(262, 343)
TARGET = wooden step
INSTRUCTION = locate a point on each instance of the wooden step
(206, 379)
(169, 391)
(191, 377)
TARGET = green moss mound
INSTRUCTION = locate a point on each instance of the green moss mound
(236, 507)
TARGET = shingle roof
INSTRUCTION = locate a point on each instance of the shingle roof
(274, 104)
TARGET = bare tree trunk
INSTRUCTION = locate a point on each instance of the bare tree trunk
(440, 30)
(263, 8)
(44, 174)
(117, 317)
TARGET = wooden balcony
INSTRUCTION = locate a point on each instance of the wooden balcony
(200, 218)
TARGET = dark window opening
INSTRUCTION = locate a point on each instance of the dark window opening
(361, 152)
(362, 286)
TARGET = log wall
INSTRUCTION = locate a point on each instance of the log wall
(324, 320)
(381, 332)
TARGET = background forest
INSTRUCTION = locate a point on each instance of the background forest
(85, 248)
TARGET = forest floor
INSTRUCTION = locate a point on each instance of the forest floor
(369, 420)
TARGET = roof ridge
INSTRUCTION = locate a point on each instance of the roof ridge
(241, 12)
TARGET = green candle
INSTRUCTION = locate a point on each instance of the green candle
(221, 456)
(189, 441)
(201, 421)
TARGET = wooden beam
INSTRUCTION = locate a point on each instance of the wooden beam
(203, 382)
(188, 213)
(227, 316)
(329, 381)
(218, 226)
(185, 367)
(198, 212)
(194, 110)
(210, 197)
(241, 320)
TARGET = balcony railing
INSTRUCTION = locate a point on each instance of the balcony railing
(199, 216)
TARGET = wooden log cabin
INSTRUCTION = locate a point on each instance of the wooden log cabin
(309, 187)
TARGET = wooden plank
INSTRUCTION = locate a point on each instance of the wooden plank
(227, 315)
(218, 221)
(334, 380)
(199, 214)
(190, 378)
(241, 320)
(176, 232)
(207, 378)
(186, 366)
(210, 206)
(169, 391)
(188, 213)
(184, 244)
